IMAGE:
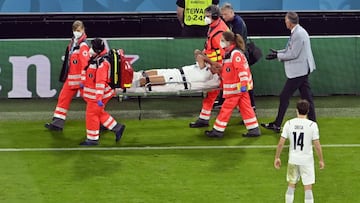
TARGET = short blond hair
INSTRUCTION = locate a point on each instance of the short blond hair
(78, 24)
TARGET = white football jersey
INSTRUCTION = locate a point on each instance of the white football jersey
(301, 132)
(194, 74)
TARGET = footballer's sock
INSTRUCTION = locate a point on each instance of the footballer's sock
(309, 198)
(289, 196)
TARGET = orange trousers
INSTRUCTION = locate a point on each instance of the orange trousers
(64, 100)
(247, 112)
(208, 103)
(96, 115)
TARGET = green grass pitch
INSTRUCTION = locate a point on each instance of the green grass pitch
(162, 160)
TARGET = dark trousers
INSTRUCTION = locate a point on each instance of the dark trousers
(302, 84)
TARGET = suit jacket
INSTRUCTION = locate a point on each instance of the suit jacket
(297, 56)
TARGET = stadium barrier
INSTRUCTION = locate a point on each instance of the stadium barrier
(30, 68)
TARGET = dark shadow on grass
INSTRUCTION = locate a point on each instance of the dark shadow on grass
(85, 164)
(232, 133)
(63, 138)
(95, 164)
(57, 135)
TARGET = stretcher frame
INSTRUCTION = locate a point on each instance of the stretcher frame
(147, 93)
(181, 92)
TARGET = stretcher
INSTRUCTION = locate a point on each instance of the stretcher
(169, 89)
(183, 88)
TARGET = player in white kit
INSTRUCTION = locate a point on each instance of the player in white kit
(302, 134)
(188, 77)
(192, 73)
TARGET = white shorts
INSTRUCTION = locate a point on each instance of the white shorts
(306, 172)
(170, 75)
(197, 79)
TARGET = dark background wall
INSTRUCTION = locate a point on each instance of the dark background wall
(166, 24)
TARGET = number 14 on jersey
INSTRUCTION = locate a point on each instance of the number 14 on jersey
(298, 140)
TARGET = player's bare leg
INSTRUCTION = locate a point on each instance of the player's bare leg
(154, 80)
(151, 72)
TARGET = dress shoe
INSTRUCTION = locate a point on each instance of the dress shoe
(214, 133)
(271, 126)
(88, 142)
(119, 133)
(255, 132)
(199, 123)
(52, 127)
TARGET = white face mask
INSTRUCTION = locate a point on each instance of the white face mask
(77, 34)
(207, 20)
(224, 44)
(92, 52)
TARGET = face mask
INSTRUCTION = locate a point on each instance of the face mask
(224, 44)
(92, 52)
(207, 20)
(77, 34)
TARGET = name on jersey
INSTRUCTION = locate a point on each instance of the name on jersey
(298, 127)
(195, 11)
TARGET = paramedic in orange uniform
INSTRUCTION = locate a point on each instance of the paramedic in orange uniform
(214, 53)
(237, 80)
(97, 92)
(76, 58)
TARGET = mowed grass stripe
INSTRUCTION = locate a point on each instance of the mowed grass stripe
(131, 114)
(163, 148)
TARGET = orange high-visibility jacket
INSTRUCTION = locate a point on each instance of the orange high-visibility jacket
(78, 60)
(212, 46)
(235, 73)
(96, 85)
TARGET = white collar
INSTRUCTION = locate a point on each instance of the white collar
(293, 29)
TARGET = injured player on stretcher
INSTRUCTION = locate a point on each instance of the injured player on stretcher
(190, 77)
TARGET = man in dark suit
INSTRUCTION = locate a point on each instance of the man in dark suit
(234, 21)
(299, 63)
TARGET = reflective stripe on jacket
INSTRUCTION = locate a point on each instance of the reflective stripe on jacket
(212, 46)
(78, 60)
(235, 73)
(96, 85)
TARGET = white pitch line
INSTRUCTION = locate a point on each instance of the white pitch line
(162, 148)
